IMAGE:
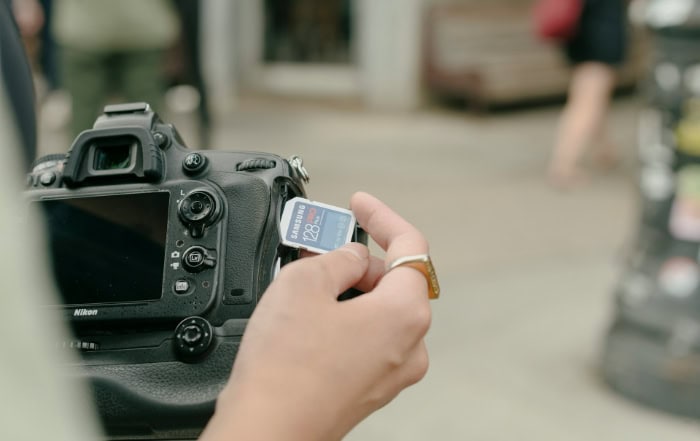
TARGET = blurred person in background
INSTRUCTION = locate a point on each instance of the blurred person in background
(112, 47)
(595, 52)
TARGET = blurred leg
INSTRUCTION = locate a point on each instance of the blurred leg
(143, 77)
(85, 78)
(605, 153)
(582, 119)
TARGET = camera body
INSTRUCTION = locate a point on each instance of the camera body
(160, 254)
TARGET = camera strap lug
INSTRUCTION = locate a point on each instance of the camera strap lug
(297, 164)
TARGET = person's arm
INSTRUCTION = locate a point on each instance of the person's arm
(309, 367)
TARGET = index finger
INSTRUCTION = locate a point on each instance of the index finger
(392, 233)
(401, 293)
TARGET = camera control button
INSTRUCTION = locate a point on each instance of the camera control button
(193, 337)
(194, 259)
(194, 163)
(182, 286)
(197, 259)
(161, 139)
(197, 207)
(47, 178)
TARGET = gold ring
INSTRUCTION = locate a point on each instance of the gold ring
(424, 265)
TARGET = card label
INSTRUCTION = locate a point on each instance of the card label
(315, 226)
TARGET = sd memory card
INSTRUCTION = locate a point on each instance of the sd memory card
(315, 226)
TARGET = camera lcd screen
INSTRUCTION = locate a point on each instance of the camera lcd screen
(108, 249)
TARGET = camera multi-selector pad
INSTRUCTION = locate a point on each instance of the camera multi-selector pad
(199, 209)
(193, 338)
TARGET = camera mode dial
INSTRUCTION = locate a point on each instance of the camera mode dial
(198, 209)
(193, 337)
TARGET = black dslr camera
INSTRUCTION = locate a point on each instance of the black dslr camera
(160, 254)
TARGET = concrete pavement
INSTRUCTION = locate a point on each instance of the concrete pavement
(526, 271)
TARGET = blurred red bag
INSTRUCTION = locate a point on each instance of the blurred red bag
(557, 19)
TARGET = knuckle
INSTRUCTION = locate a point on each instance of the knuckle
(394, 360)
(332, 268)
(379, 397)
(419, 318)
(324, 271)
(420, 241)
(423, 318)
(419, 368)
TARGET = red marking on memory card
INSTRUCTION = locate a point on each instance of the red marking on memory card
(312, 214)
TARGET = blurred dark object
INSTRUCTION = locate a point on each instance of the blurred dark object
(486, 52)
(185, 63)
(48, 56)
(313, 31)
(652, 349)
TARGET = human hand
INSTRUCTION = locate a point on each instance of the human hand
(310, 367)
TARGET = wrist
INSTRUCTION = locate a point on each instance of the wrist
(262, 415)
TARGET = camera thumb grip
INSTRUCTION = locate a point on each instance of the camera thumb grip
(139, 399)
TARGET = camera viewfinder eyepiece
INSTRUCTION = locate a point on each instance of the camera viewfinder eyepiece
(121, 148)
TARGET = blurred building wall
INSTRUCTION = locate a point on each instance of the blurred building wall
(391, 49)
(384, 75)
(390, 42)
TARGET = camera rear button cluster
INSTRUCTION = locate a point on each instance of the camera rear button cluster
(47, 178)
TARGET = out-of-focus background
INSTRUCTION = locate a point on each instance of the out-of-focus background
(448, 111)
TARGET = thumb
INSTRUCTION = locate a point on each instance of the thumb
(333, 272)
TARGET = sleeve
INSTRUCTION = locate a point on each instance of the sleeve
(37, 401)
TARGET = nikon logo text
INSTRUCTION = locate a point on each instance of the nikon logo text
(84, 312)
